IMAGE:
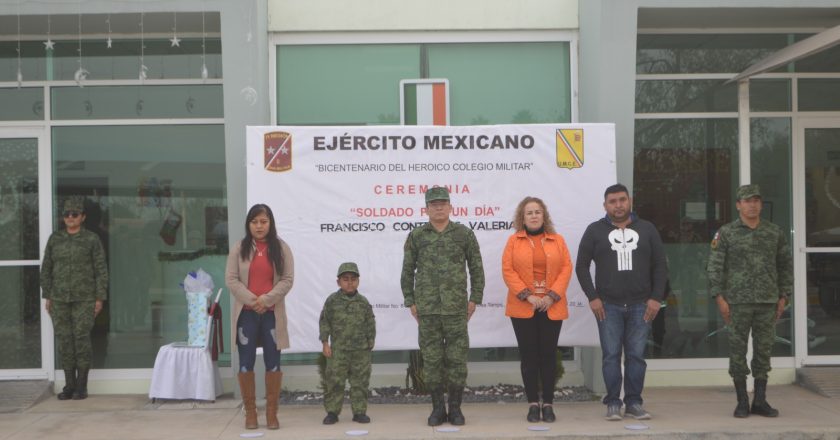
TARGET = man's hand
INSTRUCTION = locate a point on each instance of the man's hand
(414, 313)
(48, 305)
(723, 306)
(470, 309)
(97, 307)
(327, 350)
(597, 307)
(652, 309)
(780, 307)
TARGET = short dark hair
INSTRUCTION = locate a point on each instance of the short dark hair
(617, 188)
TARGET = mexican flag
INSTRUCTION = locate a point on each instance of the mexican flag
(425, 103)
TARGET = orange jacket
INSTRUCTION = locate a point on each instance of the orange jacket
(518, 272)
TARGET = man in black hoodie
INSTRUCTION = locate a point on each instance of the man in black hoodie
(630, 277)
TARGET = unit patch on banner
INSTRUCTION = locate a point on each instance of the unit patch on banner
(570, 148)
(277, 151)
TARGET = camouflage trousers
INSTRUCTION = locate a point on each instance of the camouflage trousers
(73, 322)
(444, 343)
(343, 365)
(761, 319)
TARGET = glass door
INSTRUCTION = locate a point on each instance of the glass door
(25, 220)
(818, 242)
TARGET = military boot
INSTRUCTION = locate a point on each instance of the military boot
(438, 415)
(456, 417)
(249, 400)
(69, 385)
(760, 405)
(81, 385)
(743, 408)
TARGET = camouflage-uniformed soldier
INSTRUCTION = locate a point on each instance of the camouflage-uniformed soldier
(751, 274)
(347, 331)
(434, 284)
(74, 283)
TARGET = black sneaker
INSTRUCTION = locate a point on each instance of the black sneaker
(533, 414)
(361, 418)
(331, 418)
(548, 414)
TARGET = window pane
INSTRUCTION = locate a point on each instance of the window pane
(686, 96)
(827, 60)
(770, 168)
(685, 172)
(822, 187)
(33, 62)
(24, 104)
(819, 94)
(122, 60)
(156, 195)
(137, 102)
(705, 53)
(504, 83)
(19, 199)
(343, 84)
(770, 95)
(20, 317)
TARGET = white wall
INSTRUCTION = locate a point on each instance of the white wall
(426, 15)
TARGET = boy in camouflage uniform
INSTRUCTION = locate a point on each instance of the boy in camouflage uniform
(434, 285)
(751, 275)
(74, 283)
(347, 331)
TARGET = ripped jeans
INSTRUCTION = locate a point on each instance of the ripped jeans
(254, 330)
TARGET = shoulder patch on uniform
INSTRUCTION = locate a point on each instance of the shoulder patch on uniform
(715, 240)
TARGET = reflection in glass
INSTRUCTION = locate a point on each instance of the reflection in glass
(684, 175)
(22, 104)
(156, 195)
(770, 95)
(817, 94)
(137, 102)
(686, 96)
(19, 199)
(823, 303)
(20, 318)
(822, 187)
(540, 72)
(704, 53)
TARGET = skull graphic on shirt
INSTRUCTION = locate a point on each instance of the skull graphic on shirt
(624, 242)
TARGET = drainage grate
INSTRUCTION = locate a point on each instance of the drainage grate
(821, 380)
(18, 395)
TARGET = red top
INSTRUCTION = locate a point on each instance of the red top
(539, 259)
(261, 272)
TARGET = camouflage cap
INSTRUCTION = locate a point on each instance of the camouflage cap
(747, 191)
(437, 193)
(348, 267)
(74, 204)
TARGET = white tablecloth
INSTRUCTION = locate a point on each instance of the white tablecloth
(183, 372)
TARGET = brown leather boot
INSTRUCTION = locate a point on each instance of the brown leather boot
(273, 382)
(249, 400)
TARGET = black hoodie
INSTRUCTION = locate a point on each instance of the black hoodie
(630, 264)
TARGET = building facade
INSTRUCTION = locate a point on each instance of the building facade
(141, 107)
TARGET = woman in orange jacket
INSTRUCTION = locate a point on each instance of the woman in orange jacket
(536, 267)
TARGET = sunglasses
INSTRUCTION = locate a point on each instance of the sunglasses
(72, 214)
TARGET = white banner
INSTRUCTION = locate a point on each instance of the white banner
(354, 193)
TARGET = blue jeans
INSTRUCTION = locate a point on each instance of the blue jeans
(624, 329)
(254, 330)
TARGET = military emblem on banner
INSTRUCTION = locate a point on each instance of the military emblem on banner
(570, 148)
(277, 150)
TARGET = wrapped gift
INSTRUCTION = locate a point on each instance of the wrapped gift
(198, 287)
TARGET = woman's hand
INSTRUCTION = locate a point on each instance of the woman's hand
(545, 303)
(535, 301)
(259, 305)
